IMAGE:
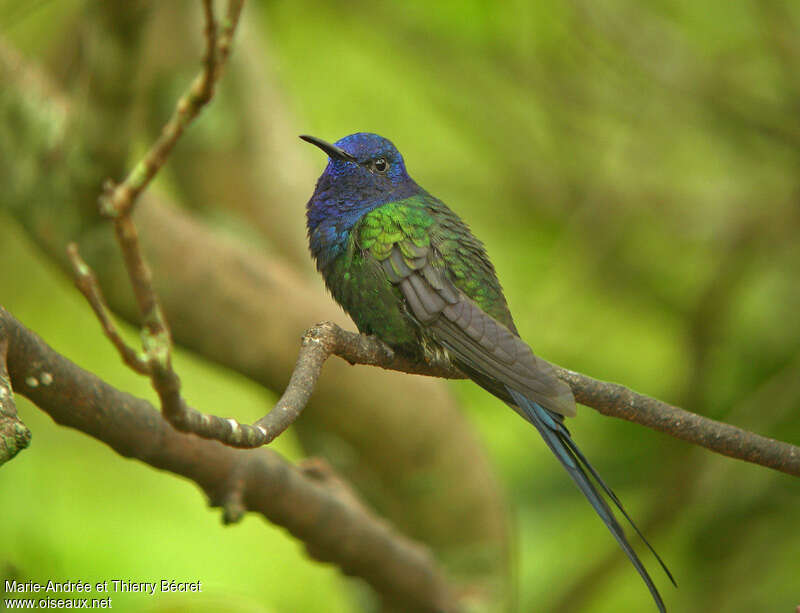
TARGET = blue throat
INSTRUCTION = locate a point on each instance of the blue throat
(331, 216)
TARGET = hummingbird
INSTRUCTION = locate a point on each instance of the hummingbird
(410, 272)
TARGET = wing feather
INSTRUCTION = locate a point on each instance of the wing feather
(472, 336)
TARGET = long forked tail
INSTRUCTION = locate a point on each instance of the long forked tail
(557, 437)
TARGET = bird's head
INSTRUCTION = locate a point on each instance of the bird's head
(364, 171)
(362, 162)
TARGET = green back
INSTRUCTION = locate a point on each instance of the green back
(427, 222)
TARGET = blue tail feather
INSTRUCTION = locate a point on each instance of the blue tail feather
(558, 439)
(618, 504)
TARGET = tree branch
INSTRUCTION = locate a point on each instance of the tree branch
(318, 344)
(307, 502)
(610, 399)
(617, 400)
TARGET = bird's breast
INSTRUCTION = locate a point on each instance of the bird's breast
(358, 283)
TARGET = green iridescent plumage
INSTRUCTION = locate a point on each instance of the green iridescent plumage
(421, 221)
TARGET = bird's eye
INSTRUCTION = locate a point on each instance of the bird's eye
(381, 164)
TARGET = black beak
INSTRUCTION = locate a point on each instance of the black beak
(332, 150)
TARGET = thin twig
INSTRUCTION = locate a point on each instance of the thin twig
(86, 282)
(206, 88)
(228, 30)
(119, 199)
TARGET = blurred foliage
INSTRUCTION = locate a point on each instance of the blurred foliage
(634, 169)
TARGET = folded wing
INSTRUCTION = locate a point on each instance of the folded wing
(478, 342)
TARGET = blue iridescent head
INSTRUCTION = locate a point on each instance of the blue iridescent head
(364, 171)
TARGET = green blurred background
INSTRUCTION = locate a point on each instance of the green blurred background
(634, 170)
